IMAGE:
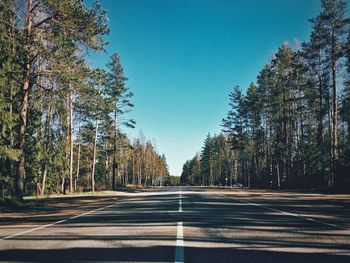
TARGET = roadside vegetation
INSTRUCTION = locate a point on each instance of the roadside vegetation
(290, 129)
(61, 120)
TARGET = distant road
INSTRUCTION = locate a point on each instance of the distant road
(187, 224)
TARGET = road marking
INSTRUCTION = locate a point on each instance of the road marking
(290, 214)
(180, 201)
(295, 215)
(55, 223)
(179, 251)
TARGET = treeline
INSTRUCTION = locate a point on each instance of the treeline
(61, 119)
(214, 166)
(292, 128)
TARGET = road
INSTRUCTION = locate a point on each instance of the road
(182, 225)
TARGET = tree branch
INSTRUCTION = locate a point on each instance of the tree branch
(35, 6)
(44, 21)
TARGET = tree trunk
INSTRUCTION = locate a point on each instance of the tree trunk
(94, 158)
(47, 158)
(230, 170)
(114, 150)
(9, 162)
(254, 174)
(320, 120)
(271, 171)
(302, 141)
(133, 168)
(71, 129)
(278, 175)
(248, 175)
(43, 182)
(235, 170)
(78, 157)
(335, 114)
(107, 159)
(139, 170)
(211, 173)
(63, 186)
(19, 178)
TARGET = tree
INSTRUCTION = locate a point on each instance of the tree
(119, 96)
(285, 132)
(345, 106)
(253, 105)
(9, 77)
(47, 25)
(58, 115)
(235, 125)
(332, 19)
(207, 161)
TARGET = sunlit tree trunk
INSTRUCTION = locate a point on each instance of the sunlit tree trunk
(19, 178)
(78, 156)
(47, 158)
(71, 130)
(114, 166)
(94, 158)
(335, 113)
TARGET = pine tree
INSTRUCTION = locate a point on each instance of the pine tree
(236, 126)
(253, 108)
(333, 22)
(119, 96)
(9, 76)
(47, 26)
(207, 161)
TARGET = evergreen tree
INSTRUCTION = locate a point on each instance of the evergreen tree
(48, 25)
(333, 22)
(10, 54)
(207, 161)
(119, 96)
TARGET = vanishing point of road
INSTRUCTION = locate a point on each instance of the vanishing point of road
(182, 224)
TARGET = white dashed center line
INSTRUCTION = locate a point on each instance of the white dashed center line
(180, 202)
(179, 251)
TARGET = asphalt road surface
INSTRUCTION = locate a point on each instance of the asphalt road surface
(182, 225)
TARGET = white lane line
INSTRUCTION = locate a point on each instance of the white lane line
(180, 201)
(290, 214)
(295, 215)
(179, 251)
(55, 223)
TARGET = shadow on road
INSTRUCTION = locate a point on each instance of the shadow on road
(163, 254)
(216, 230)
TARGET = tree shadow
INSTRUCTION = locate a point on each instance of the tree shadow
(164, 254)
(259, 233)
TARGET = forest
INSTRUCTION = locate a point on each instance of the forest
(61, 119)
(290, 129)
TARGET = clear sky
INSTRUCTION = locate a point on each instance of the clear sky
(183, 57)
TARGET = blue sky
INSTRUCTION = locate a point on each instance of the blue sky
(183, 57)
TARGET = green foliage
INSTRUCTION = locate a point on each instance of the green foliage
(213, 166)
(281, 132)
(49, 119)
